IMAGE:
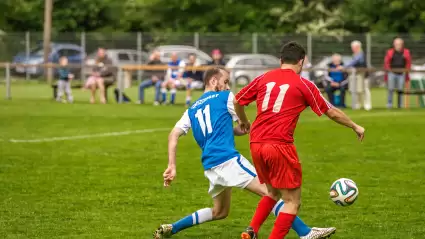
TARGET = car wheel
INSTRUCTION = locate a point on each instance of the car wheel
(242, 80)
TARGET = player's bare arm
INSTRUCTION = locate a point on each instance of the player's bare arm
(238, 131)
(340, 117)
(170, 172)
(244, 123)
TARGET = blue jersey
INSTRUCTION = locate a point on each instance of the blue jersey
(211, 119)
(173, 71)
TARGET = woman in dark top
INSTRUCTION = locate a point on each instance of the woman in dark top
(101, 71)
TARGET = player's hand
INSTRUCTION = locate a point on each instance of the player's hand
(245, 126)
(359, 131)
(334, 84)
(169, 175)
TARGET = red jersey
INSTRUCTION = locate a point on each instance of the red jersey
(281, 96)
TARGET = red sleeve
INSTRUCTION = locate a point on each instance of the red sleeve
(314, 98)
(249, 93)
(408, 58)
(387, 59)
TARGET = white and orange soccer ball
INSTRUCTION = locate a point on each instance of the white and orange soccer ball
(344, 192)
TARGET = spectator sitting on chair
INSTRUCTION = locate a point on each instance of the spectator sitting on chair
(102, 76)
(155, 79)
(191, 78)
(194, 75)
(336, 80)
(64, 83)
(176, 68)
(397, 57)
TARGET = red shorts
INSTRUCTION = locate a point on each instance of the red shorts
(277, 165)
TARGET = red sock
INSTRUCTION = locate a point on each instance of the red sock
(265, 206)
(282, 225)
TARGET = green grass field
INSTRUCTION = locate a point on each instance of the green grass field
(103, 185)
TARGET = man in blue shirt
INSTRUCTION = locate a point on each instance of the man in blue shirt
(173, 78)
(336, 80)
(211, 119)
(155, 79)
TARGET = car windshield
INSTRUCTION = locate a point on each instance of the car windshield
(39, 51)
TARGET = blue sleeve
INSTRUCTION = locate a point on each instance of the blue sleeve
(356, 59)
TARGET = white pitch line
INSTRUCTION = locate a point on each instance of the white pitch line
(76, 137)
(142, 131)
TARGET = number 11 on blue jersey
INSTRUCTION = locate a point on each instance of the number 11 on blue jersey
(204, 119)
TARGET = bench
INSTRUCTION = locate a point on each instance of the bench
(78, 85)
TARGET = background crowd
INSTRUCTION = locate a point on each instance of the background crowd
(339, 80)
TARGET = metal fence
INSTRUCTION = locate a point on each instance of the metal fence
(318, 46)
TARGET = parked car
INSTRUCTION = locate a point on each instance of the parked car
(375, 78)
(119, 57)
(74, 53)
(249, 66)
(183, 53)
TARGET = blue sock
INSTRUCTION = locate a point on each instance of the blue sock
(390, 97)
(173, 96)
(298, 225)
(188, 99)
(198, 217)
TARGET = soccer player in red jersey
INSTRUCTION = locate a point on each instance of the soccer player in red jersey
(281, 96)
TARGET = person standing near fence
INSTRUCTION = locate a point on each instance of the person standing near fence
(397, 57)
(64, 83)
(358, 83)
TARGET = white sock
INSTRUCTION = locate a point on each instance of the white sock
(277, 207)
(202, 215)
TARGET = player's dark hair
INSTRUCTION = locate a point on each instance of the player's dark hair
(291, 53)
(210, 73)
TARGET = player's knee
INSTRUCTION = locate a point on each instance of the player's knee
(274, 195)
(220, 214)
(294, 204)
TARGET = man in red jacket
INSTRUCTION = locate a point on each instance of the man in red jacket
(397, 57)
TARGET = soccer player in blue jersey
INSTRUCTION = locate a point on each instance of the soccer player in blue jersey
(211, 119)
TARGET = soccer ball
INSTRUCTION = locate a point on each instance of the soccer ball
(344, 192)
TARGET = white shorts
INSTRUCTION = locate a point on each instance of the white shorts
(237, 172)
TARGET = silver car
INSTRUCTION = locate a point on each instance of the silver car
(119, 57)
(183, 53)
(248, 66)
